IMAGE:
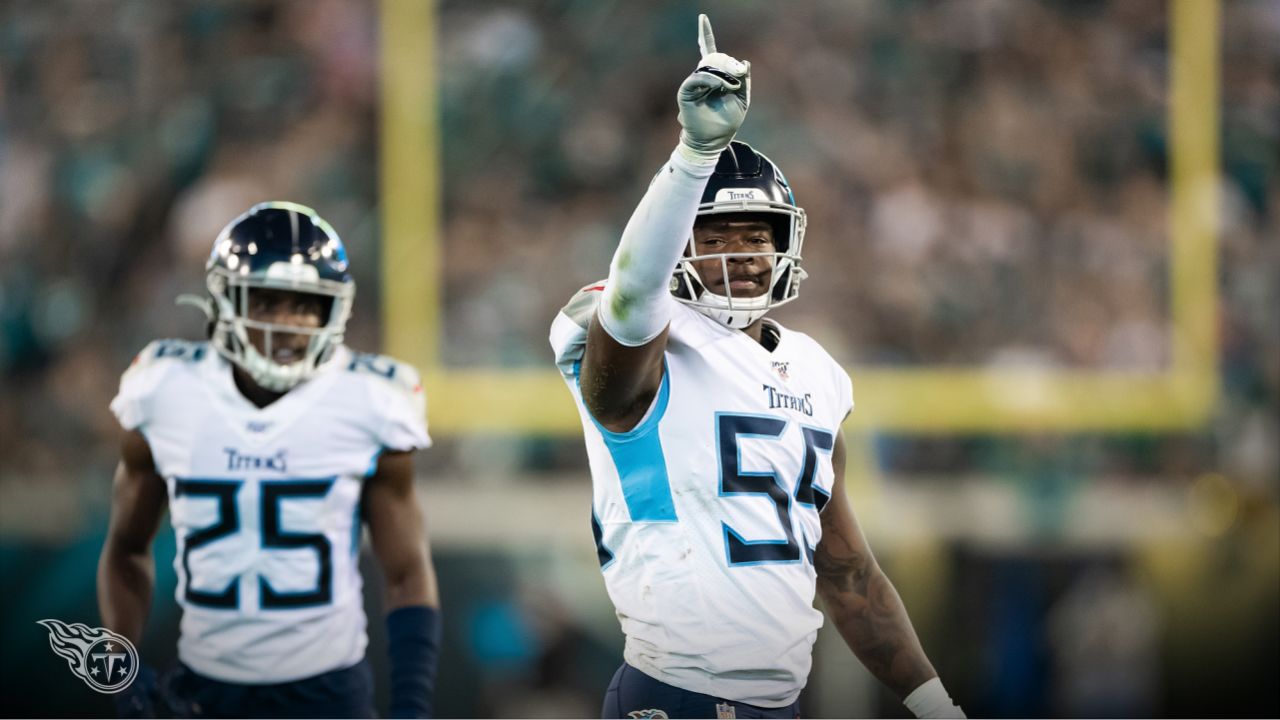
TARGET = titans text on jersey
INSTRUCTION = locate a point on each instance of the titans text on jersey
(706, 513)
(265, 502)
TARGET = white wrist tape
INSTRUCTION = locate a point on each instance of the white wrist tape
(636, 303)
(931, 700)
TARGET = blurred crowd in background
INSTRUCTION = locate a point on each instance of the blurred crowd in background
(986, 183)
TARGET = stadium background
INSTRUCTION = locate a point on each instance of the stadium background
(1043, 236)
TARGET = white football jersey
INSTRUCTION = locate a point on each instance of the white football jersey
(265, 502)
(706, 513)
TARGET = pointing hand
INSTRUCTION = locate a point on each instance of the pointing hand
(713, 100)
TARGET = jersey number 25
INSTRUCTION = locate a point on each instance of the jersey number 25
(274, 494)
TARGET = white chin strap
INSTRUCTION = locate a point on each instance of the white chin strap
(735, 313)
(267, 373)
(274, 376)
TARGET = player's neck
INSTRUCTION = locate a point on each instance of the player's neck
(252, 391)
(764, 333)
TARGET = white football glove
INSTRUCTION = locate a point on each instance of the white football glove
(713, 100)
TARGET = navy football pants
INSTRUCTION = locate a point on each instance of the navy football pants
(632, 694)
(345, 693)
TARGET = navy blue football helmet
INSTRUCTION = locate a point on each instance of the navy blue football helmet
(746, 182)
(279, 246)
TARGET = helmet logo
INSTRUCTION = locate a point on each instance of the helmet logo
(728, 194)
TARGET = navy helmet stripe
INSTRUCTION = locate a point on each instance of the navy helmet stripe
(279, 232)
(293, 228)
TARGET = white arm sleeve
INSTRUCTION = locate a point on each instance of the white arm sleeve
(636, 304)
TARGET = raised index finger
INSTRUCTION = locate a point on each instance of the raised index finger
(706, 40)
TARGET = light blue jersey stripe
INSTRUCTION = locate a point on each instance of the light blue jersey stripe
(642, 468)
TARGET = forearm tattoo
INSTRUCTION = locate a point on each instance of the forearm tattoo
(870, 615)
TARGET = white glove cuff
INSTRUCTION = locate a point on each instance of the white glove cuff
(696, 169)
(696, 162)
(931, 700)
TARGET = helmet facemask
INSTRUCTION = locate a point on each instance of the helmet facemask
(785, 274)
(283, 247)
(749, 186)
(230, 293)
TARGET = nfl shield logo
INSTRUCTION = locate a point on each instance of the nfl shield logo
(725, 710)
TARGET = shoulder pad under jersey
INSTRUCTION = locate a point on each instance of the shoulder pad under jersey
(147, 372)
(583, 304)
(401, 375)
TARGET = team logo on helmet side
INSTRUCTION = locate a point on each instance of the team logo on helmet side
(105, 661)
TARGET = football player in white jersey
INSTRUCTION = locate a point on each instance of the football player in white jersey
(270, 445)
(714, 440)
